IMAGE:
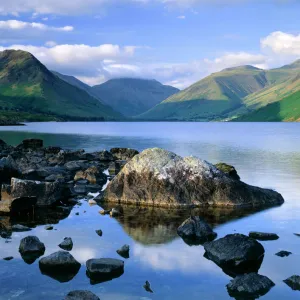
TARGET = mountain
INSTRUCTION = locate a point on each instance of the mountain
(220, 94)
(27, 86)
(131, 96)
(287, 109)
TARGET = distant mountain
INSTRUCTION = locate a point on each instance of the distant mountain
(220, 94)
(131, 96)
(27, 86)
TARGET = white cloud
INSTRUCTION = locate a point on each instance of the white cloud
(20, 25)
(181, 17)
(50, 44)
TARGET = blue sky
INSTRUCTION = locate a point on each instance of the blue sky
(174, 41)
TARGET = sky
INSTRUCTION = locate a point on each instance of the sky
(176, 42)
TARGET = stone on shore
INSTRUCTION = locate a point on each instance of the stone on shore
(81, 295)
(157, 177)
(262, 236)
(235, 254)
(249, 286)
(195, 231)
(293, 282)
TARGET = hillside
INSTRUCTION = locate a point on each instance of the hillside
(287, 109)
(222, 93)
(131, 96)
(27, 86)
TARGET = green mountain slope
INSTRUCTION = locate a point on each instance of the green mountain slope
(131, 96)
(287, 109)
(26, 85)
(220, 94)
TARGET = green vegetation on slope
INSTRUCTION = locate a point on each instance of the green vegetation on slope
(28, 86)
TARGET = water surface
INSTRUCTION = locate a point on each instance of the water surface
(267, 155)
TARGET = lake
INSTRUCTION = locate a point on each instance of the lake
(264, 154)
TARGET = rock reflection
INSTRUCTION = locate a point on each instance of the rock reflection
(150, 226)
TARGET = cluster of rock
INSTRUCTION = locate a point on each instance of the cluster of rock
(32, 175)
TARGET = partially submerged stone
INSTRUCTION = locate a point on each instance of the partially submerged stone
(99, 232)
(157, 177)
(263, 236)
(249, 286)
(66, 244)
(293, 282)
(124, 251)
(81, 295)
(228, 170)
(235, 254)
(195, 231)
(147, 287)
(20, 228)
(31, 248)
(283, 253)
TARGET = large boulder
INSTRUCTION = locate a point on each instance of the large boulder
(249, 286)
(104, 269)
(158, 177)
(293, 282)
(123, 153)
(81, 295)
(235, 254)
(47, 193)
(195, 231)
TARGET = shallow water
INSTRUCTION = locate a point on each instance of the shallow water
(267, 155)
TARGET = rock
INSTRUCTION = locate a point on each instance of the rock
(93, 175)
(77, 214)
(105, 156)
(283, 253)
(99, 232)
(116, 212)
(8, 258)
(116, 166)
(147, 287)
(92, 202)
(66, 244)
(194, 230)
(157, 177)
(228, 170)
(235, 254)
(16, 205)
(48, 227)
(104, 212)
(31, 144)
(47, 193)
(20, 228)
(74, 166)
(297, 234)
(81, 295)
(123, 153)
(124, 251)
(31, 248)
(8, 169)
(249, 286)
(261, 236)
(60, 265)
(104, 269)
(5, 192)
(293, 282)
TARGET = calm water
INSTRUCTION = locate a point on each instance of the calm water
(267, 155)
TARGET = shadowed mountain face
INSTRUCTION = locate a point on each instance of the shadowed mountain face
(233, 91)
(131, 96)
(28, 87)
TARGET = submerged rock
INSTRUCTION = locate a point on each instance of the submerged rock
(157, 177)
(249, 286)
(124, 251)
(262, 236)
(228, 170)
(60, 265)
(293, 282)
(195, 231)
(283, 253)
(104, 269)
(235, 254)
(66, 244)
(81, 295)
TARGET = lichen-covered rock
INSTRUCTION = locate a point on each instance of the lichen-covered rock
(158, 177)
(123, 153)
(235, 254)
(93, 175)
(293, 282)
(194, 230)
(228, 170)
(249, 286)
(81, 295)
(263, 236)
(47, 193)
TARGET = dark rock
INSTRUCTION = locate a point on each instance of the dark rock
(195, 231)
(105, 156)
(147, 287)
(262, 236)
(249, 286)
(93, 175)
(81, 295)
(283, 253)
(99, 232)
(116, 211)
(31, 144)
(104, 212)
(74, 166)
(157, 177)
(8, 258)
(104, 269)
(18, 204)
(8, 169)
(66, 244)
(124, 251)
(116, 166)
(52, 150)
(235, 254)
(228, 170)
(60, 265)
(31, 248)
(293, 282)
(48, 227)
(123, 153)
(77, 214)
(20, 228)
(297, 234)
